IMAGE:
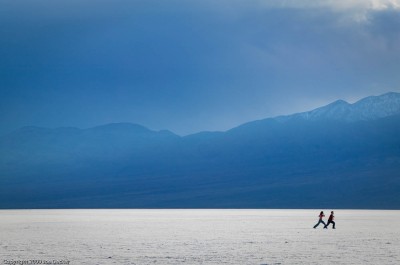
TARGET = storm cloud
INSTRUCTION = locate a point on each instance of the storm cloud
(189, 66)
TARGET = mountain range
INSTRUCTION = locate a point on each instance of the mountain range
(338, 156)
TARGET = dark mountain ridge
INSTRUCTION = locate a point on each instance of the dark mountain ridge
(338, 156)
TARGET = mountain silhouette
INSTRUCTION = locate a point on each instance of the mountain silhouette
(338, 156)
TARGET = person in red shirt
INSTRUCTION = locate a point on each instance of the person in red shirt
(321, 215)
(330, 220)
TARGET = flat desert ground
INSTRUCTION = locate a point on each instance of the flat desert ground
(198, 237)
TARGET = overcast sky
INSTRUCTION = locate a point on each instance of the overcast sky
(190, 66)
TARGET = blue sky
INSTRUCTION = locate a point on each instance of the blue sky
(190, 66)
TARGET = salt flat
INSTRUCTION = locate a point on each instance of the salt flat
(198, 237)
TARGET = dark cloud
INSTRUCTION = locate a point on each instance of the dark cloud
(187, 66)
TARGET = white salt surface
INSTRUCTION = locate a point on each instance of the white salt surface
(198, 237)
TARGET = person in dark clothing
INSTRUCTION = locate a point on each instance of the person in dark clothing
(321, 215)
(330, 220)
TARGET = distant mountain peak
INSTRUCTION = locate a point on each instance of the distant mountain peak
(339, 102)
(369, 108)
(127, 128)
(121, 126)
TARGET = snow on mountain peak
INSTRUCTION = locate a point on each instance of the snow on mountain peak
(369, 108)
(376, 107)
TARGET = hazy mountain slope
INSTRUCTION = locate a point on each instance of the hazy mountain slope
(341, 155)
(369, 108)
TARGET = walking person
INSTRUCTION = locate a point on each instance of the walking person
(321, 215)
(330, 220)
